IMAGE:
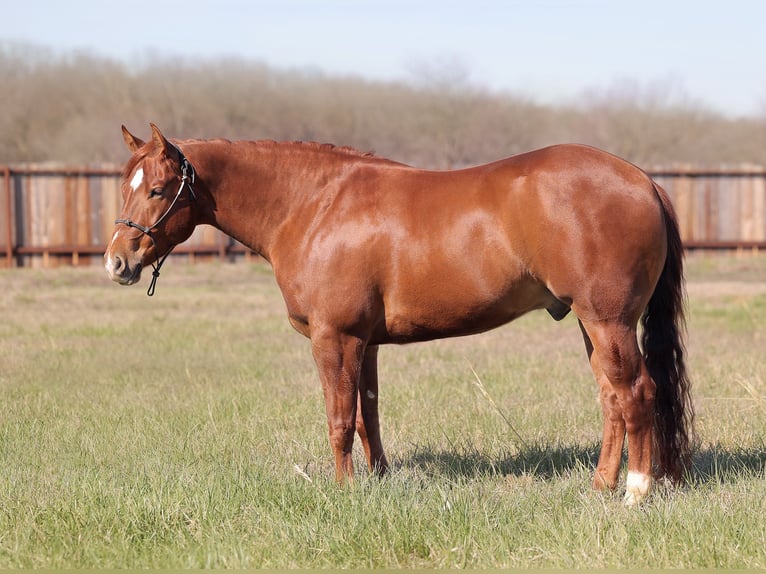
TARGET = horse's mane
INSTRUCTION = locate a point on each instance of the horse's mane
(325, 147)
(308, 145)
(345, 150)
(146, 150)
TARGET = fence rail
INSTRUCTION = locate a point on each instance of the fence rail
(62, 215)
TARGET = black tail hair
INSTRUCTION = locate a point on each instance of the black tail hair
(664, 352)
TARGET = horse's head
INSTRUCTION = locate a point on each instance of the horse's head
(157, 211)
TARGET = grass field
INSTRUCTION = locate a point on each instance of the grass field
(188, 430)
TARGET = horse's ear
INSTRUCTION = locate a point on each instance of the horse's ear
(160, 141)
(132, 141)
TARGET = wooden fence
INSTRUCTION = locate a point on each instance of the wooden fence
(53, 215)
(718, 208)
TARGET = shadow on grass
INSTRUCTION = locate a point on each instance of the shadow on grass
(709, 464)
(721, 464)
(542, 461)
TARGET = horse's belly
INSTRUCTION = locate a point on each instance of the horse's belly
(434, 317)
(405, 330)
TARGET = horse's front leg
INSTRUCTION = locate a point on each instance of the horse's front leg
(339, 360)
(367, 421)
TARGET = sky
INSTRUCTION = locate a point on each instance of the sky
(710, 53)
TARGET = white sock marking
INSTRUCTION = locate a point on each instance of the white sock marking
(637, 486)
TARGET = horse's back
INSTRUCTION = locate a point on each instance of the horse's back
(417, 255)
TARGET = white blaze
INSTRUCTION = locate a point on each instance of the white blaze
(109, 264)
(135, 182)
(138, 177)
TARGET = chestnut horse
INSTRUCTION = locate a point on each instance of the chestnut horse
(367, 251)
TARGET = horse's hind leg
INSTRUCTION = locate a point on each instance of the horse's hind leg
(627, 392)
(608, 467)
(367, 421)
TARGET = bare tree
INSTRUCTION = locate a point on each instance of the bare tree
(69, 107)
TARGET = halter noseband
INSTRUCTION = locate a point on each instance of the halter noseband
(188, 176)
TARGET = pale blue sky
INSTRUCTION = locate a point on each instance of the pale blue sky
(711, 52)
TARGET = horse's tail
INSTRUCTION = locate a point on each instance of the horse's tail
(664, 353)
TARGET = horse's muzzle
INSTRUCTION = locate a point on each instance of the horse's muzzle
(120, 271)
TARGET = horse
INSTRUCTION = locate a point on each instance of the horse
(367, 251)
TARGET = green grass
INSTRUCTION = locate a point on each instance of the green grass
(188, 430)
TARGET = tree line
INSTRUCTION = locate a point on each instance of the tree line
(68, 107)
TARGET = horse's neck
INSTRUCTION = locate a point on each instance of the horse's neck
(255, 187)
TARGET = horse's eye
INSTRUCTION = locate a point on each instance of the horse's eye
(156, 192)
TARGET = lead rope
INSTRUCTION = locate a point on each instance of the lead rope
(156, 274)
